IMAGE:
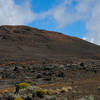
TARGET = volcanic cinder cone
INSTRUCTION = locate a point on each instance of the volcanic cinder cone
(23, 43)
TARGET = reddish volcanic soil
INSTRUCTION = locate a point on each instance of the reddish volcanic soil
(20, 43)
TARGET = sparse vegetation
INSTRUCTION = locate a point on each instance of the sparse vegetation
(63, 83)
(32, 82)
(18, 98)
(41, 92)
(22, 86)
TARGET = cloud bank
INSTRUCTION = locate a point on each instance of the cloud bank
(93, 24)
(13, 14)
(87, 11)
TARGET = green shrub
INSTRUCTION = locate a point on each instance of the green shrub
(18, 98)
(21, 86)
(32, 82)
(41, 92)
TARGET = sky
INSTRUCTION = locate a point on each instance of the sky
(79, 18)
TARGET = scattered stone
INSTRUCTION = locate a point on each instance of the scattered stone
(66, 89)
(61, 74)
(87, 98)
(39, 75)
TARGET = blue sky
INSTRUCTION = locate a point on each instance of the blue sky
(76, 29)
(79, 18)
(38, 6)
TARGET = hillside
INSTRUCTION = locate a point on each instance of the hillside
(26, 43)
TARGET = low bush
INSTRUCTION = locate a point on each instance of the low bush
(21, 86)
(40, 92)
(18, 98)
(32, 82)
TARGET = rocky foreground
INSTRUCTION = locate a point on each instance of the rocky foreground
(44, 65)
(61, 81)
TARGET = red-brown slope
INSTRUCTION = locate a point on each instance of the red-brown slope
(22, 43)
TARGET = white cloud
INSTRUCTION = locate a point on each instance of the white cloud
(61, 15)
(13, 14)
(87, 11)
(93, 25)
(65, 13)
